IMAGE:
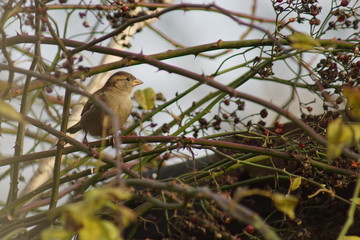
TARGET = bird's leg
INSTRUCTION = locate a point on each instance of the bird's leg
(114, 138)
(85, 141)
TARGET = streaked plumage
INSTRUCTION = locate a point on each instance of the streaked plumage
(116, 94)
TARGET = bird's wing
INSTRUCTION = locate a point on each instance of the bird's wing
(90, 102)
(87, 106)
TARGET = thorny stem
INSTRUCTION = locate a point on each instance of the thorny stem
(235, 93)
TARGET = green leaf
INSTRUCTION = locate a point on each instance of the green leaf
(303, 41)
(285, 204)
(145, 98)
(8, 112)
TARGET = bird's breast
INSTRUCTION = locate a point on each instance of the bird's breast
(121, 105)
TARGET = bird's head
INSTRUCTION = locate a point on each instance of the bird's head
(123, 81)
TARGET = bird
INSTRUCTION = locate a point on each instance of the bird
(116, 94)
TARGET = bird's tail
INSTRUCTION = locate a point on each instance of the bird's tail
(74, 129)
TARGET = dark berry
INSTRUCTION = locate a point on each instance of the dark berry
(165, 128)
(264, 113)
(203, 121)
(261, 123)
(339, 100)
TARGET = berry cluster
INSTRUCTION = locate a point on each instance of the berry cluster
(345, 18)
(223, 116)
(342, 67)
(117, 18)
(301, 8)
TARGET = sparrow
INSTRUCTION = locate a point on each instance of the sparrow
(116, 94)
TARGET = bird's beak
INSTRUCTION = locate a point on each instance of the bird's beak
(136, 82)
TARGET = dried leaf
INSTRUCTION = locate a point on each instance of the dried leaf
(8, 112)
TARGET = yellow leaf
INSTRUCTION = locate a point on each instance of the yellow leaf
(4, 85)
(353, 101)
(350, 238)
(295, 183)
(145, 98)
(84, 219)
(303, 41)
(56, 233)
(8, 112)
(356, 200)
(341, 135)
(285, 204)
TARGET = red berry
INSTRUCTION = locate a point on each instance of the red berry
(291, 19)
(193, 220)
(278, 124)
(314, 13)
(333, 66)
(41, 10)
(124, 8)
(309, 108)
(358, 64)
(344, 3)
(250, 229)
(354, 164)
(227, 102)
(301, 145)
(279, 1)
(341, 18)
(315, 21)
(278, 130)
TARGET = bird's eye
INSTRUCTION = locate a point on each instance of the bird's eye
(128, 79)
